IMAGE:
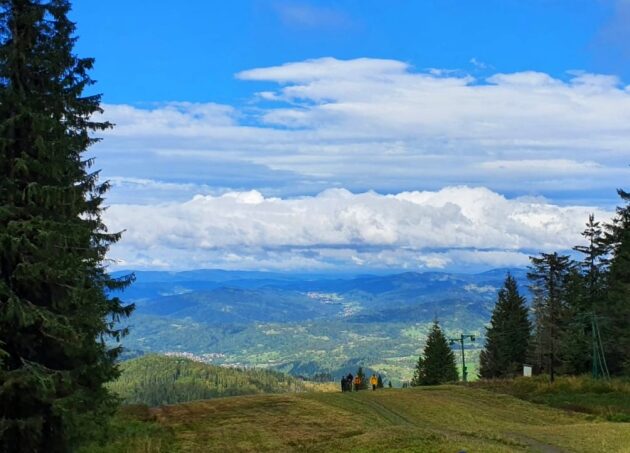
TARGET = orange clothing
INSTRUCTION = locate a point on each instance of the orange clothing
(373, 380)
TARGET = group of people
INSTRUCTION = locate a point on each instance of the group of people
(350, 383)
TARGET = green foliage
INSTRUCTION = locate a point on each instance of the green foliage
(437, 363)
(586, 291)
(609, 399)
(571, 301)
(575, 333)
(593, 267)
(133, 429)
(616, 311)
(155, 380)
(548, 276)
(507, 338)
(379, 383)
(55, 312)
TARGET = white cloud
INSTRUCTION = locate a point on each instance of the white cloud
(460, 225)
(367, 124)
(435, 260)
(378, 124)
(326, 69)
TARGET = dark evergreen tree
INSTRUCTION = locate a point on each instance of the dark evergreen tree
(575, 339)
(437, 363)
(586, 290)
(507, 338)
(615, 325)
(417, 372)
(56, 308)
(548, 277)
(379, 383)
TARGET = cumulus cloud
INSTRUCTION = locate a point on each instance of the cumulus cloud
(406, 230)
(532, 111)
(379, 124)
(259, 185)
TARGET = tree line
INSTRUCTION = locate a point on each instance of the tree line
(580, 312)
(578, 322)
(156, 380)
(580, 309)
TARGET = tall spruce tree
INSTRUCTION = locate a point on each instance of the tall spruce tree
(616, 311)
(56, 308)
(507, 338)
(586, 299)
(548, 277)
(575, 336)
(437, 363)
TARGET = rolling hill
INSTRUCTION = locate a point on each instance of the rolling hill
(154, 380)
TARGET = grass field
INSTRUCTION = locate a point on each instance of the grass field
(432, 419)
(609, 399)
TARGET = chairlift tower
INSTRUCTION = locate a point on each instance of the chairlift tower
(461, 340)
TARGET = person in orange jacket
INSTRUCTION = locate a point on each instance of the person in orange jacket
(374, 382)
(357, 383)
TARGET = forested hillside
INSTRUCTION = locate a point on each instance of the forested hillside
(309, 324)
(156, 380)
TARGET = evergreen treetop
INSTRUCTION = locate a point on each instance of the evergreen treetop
(594, 264)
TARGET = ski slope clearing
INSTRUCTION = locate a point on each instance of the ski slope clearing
(431, 419)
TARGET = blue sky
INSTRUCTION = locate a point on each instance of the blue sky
(358, 134)
(192, 49)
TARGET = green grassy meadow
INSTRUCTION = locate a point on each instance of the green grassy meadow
(609, 399)
(430, 419)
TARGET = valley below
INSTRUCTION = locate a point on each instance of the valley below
(312, 326)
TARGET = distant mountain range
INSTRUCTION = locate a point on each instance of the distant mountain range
(305, 323)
